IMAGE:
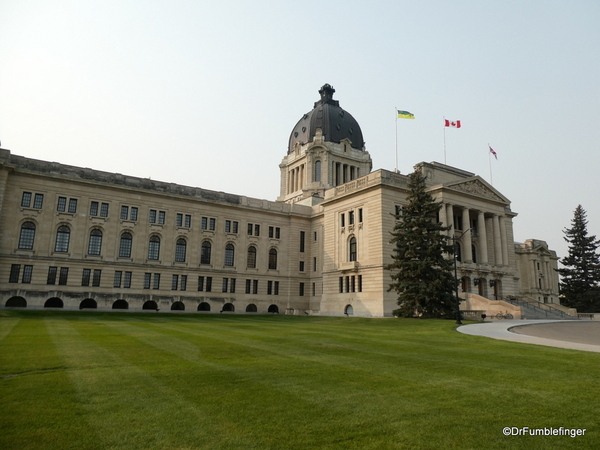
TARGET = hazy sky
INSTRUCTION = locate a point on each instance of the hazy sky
(206, 93)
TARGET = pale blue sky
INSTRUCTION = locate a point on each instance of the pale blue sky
(205, 93)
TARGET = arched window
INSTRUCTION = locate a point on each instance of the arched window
(95, 242)
(125, 245)
(205, 253)
(318, 170)
(27, 236)
(62, 239)
(154, 248)
(180, 248)
(229, 255)
(252, 257)
(352, 249)
(273, 259)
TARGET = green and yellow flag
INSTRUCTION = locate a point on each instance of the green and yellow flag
(405, 115)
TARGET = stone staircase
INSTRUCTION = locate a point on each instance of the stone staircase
(532, 309)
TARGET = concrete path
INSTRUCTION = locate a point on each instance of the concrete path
(575, 335)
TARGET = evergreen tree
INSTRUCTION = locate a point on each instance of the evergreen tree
(580, 276)
(421, 275)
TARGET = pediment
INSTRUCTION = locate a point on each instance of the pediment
(479, 188)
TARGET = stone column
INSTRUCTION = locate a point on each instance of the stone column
(466, 224)
(450, 219)
(483, 250)
(503, 240)
(497, 240)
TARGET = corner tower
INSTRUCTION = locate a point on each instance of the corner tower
(326, 149)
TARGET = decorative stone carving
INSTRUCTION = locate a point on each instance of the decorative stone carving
(476, 187)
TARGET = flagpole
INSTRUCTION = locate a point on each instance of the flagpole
(490, 160)
(444, 139)
(396, 109)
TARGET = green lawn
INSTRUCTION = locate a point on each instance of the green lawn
(75, 380)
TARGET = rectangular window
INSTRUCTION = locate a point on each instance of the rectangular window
(174, 282)
(228, 226)
(277, 233)
(256, 230)
(248, 286)
(73, 205)
(124, 212)
(208, 284)
(350, 217)
(301, 268)
(302, 239)
(225, 284)
(205, 223)
(343, 220)
(38, 201)
(63, 276)
(315, 237)
(94, 209)
(134, 214)
(178, 220)
(97, 276)
(85, 277)
(232, 285)
(200, 284)
(147, 277)
(301, 290)
(255, 286)
(15, 270)
(314, 289)
(26, 201)
(183, 283)
(314, 263)
(269, 287)
(127, 280)
(360, 215)
(117, 279)
(188, 221)
(347, 284)
(161, 217)
(152, 216)
(156, 281)
(27, 273)
(271, 232)
(104, 210)
(352, 283)
(235, 227)
(51, 275)
(360, 283)
(341, 285)
(398, 212)
(250, 228)
(276, 288)
(212, 224)
(61, 206)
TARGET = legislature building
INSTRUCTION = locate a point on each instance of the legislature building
(77, 238)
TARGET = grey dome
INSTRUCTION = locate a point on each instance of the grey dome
(335, 123)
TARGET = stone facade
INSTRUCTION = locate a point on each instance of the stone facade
(79, 238)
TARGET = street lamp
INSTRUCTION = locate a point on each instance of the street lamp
(455, 239)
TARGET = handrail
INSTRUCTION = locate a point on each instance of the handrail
(536, 304)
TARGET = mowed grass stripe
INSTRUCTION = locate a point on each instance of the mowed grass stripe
(322, 384)
(237, 382)
(38, 404)
(231, 393)
(127, 407)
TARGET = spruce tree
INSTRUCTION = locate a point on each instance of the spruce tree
(580, 276)
(421, 274)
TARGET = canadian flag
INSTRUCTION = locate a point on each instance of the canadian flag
(453, 123)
